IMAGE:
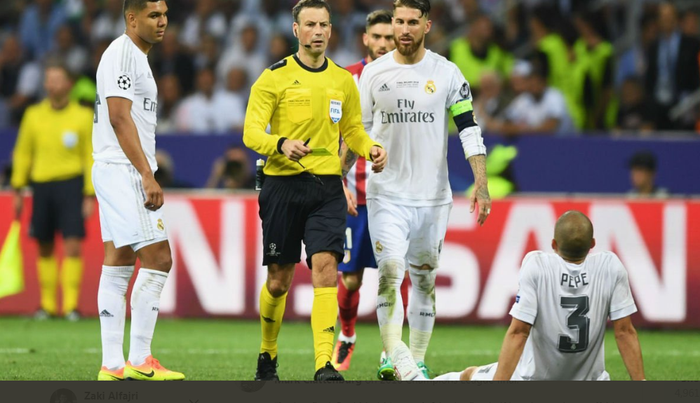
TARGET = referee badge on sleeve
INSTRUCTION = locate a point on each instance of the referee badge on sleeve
(336, 110)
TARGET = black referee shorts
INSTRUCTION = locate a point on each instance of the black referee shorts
(57, 206)
(302, 207)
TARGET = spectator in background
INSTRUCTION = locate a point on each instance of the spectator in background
(206, 19)
(85, 88)
(518, 77)
(592, 81)
(279, 48)
(109, 23)
(347, 22)
(672, 68)
(476, 53)
(551, 46)
(208, 53)
(246, 53)
(170, 59)
(491, 102)
(539, 110)
(53, 153)
(38, 26)
(340, 54)
(690, 24)
(642, 167)
(165, 175)
(237, 86)
(632, 62)
(168, 104)
(270, 18)
(20, 81)
(232, 171)
(210, 111)
(636, 112)
(74, 56)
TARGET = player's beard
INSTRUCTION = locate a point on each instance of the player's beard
(376, 55)
(407, 50)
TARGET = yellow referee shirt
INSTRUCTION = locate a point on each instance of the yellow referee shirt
(53, 145)
(301, 103)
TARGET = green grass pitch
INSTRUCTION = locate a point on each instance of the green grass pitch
(227, 350)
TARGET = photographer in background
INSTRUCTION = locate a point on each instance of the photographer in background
(232, 171)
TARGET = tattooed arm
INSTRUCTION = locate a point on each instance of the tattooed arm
(347, 160)
(480, 195)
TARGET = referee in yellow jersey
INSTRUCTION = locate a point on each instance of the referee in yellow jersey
(308, 101)
(53, 155)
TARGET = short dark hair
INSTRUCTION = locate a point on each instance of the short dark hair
(302, 4)
(58, 63)
(643, 160)
(378, 17)
(136, 5)
(422, 5)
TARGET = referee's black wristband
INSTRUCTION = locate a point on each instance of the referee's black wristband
(279, 144)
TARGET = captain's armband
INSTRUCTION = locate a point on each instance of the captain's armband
(463, 113)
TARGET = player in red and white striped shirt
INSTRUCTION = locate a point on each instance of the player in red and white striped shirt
(379, 40)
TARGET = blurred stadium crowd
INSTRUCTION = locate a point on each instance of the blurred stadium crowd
(545, 66)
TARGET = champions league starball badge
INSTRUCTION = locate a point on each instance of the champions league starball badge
(124, 82)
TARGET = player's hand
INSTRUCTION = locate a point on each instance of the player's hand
(352, 203)
(88, 206)
(379, 157)
(18, 204)
(295, 149)
(154, 194)
(480, 196)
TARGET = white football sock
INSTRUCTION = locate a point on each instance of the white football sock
(342, 337)
(111, 303)
(145, 304)
(389, 302)
(450, 376)
(421, 310)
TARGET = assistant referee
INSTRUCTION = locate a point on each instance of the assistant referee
(53, 155)
(308, 101)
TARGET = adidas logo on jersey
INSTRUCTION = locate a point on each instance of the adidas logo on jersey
(384, 88)
(296, 82)
(105, 314)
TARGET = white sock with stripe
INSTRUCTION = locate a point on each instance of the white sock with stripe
(145, 305)
(111, 303)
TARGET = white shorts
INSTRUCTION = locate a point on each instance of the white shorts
(123, 218)
(487, 372)
(405, 232)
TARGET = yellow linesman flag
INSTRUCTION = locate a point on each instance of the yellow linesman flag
(11, 270)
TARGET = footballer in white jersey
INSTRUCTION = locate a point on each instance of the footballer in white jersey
(405, 97)
(561, 310)
(130, 199)
(124, 72)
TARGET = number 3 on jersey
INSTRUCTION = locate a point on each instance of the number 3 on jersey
(577, 320)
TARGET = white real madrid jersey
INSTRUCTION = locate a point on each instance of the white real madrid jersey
(124, 72)
(404, 107)
(568, 305)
